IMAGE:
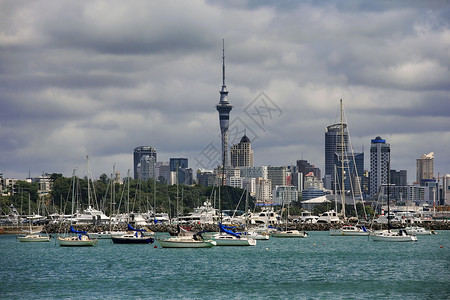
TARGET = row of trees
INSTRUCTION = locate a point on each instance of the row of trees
(137, 196)
(132, 195)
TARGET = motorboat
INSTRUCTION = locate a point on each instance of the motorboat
(308, 217)
(328, 217)
(350, 230)
(417, 230)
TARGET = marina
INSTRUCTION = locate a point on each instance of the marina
(319, 267)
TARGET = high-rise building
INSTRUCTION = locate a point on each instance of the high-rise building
(146, 167)
(336, 140)
(380, 155)
(353, 171)
(425, 167)
(277, 175)
(180, 167)
(179, 162)
(284, 195)
(241, 154)
(398, 178)
(137, 155)
(224, 107)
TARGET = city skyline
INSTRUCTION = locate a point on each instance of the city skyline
(77, 81)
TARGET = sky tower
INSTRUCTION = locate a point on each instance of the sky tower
(224, 108)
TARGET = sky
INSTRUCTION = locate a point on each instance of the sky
(99, 78)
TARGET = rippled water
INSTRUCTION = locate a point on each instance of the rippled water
(318, 267)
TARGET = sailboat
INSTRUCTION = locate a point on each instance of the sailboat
(389, 235)
(289, 233)
(32, 236)
(227, 237)
(82, 239)
(135, 236)
(186, 239)
(345, 230)
(252, 233)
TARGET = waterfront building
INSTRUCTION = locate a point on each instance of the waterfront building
(335, 142)
(137, 155)
(380, 154)
(224, 107)
(425, 167)
(241, 154)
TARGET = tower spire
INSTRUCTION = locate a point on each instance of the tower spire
(223, 63)
(224, 108)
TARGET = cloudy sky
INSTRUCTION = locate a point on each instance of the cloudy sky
(99, 78)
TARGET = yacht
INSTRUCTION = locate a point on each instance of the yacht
(328, 217)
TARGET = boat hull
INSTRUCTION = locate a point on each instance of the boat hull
(228, 240)
(290, 234)
(105, 234)
(186, 244)
(393, 237)
(343, 232)
(126, 240)
(75, 242)
(33, 238)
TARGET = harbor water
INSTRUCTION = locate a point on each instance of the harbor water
(317, 267)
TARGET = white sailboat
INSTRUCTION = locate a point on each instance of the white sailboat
(32, 236)
(82, 238)
(390, 235)
(226, 237)
(186, 239)
(289, 233)
(345, 230)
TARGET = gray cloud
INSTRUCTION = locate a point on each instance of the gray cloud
(99, 78)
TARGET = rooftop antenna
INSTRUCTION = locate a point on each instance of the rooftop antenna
(223, 62)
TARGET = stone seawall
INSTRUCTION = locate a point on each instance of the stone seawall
(58, 228)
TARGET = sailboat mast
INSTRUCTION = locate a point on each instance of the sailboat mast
(388, 192)
(342, 164)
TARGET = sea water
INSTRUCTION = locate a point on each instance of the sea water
(317, 267)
